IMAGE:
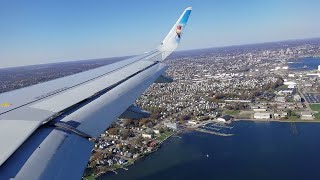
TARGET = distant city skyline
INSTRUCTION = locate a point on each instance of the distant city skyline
(34, 32)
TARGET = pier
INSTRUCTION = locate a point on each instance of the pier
(213, 132)
(214, 128)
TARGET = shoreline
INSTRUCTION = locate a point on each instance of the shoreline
(278, 120)
(141, 157)
(196, 130)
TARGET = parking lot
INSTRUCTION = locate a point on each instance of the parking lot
(312, 98)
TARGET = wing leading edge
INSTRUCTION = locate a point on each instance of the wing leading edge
(63, 116)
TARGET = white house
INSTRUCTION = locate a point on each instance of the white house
(156, 131)
(192, 122)
(145, 135)
(262, 116)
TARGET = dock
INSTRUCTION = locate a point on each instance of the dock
(213, 132)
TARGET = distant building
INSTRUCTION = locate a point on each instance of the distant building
(290, 83)
(280, 99)
(291, 86)
(192, 122)
(172, 126)
(262, 116)
(238, 100)
(224, 118)
(285, 92)
(260, 109)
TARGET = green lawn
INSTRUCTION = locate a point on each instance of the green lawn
(164, 135)
(317, 115)
(91, 177)
(89, 174)
(282, 87)
(316, 107)
(231, 112)
(293, 118)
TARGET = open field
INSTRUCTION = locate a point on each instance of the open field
(316, 107)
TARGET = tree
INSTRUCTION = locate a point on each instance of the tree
(185, 117)
(113, 131)
(125, 133)
(143, 121)
(127, 122)
(161, 130)
(138, 140)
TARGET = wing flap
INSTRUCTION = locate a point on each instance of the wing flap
(12, 134)
(48, 154)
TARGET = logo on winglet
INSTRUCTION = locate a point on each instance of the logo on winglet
(179, 31)
(6, 104)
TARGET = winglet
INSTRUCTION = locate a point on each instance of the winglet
(172, 40)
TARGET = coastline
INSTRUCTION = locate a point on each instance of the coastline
(249, 139)
(279, 120)
(94, 176)
(186, 129)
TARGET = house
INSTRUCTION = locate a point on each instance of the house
(291, 86)
(193, 123)
(156, 131)
(122, 161)
(152, 144)
(145, 135)
(224, 118)
(110, 162)
(262, 116)
(136, 155)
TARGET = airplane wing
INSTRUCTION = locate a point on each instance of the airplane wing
(47, 130)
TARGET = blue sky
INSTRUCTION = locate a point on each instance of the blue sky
(33, 32)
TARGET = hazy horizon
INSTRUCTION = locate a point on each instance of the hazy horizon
(110, 57)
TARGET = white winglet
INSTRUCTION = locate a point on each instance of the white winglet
(172, 40)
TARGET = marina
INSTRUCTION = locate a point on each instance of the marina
(220, 129)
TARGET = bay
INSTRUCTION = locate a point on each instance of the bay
(258, 150)
(309, 63)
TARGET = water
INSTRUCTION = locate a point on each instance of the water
(259, 150)
(311, 63)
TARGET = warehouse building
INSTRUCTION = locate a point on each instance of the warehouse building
(262, 116)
